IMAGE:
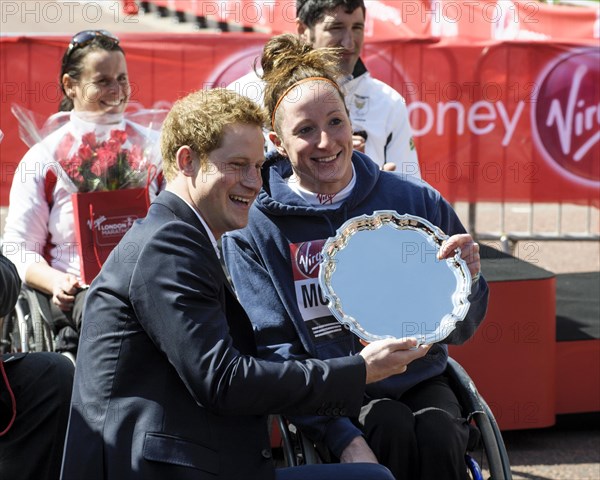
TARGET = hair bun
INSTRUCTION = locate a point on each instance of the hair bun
(288, 53)
(281, 50)
(287, 59)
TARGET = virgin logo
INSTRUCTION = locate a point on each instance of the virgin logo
(566, 116)
(308, 258)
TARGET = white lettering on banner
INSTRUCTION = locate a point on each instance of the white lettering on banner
(97, 223)
(509, 124)
(571, 124)
(565, 115)
(311, 301)
(480, 118)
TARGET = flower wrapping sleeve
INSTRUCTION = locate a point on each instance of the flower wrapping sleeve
(98, 152)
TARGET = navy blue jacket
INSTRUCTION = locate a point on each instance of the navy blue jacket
(166, 385)
(273, 263)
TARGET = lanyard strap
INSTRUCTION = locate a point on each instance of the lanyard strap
(12, 399)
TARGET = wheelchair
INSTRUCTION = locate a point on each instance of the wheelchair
(28, 328)
(486, 451)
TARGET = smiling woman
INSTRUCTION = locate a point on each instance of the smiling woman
(313, 184)
(93, 76)
(40, 237)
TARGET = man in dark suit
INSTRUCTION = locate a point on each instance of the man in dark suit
(166, 384)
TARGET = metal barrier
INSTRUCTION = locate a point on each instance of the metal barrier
(566, 218)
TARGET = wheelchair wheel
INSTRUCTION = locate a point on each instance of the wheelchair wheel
(40, 330)
(493, 445)
(489, 452)
(297, 449)
(11, 339)
(24, 329)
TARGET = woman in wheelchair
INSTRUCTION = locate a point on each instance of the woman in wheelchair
(411, 423)
(39, 235)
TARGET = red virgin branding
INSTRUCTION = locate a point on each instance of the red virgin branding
(326, 198)
(312, 304)
(566, 115)
(306, 257)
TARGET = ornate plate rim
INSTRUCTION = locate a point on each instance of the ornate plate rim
(406, 221)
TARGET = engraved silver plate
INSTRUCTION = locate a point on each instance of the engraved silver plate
(382, 278)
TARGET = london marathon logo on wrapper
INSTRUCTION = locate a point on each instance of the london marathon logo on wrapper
(109, 230)
(565, 116)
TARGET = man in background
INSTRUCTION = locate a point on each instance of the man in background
(378, 112)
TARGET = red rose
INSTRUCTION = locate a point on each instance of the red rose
(71, 165)
(89, 139)
(105, 159)
(136, 158)
(85, 152)
(112, 145)
(119, 136)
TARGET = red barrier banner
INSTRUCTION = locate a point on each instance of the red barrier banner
(493, 120)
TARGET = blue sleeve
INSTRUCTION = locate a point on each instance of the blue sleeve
(277, 339)
(258, 292)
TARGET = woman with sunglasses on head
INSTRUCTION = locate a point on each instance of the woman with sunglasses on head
(39, 234)
(412, 422)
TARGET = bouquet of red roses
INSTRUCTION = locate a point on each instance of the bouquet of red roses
(96, 166)
(97, 152)
(106, 163)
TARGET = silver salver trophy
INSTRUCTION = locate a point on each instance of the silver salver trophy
(383, 279)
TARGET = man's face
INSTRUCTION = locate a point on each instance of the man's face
(225, 188)
(338, 29)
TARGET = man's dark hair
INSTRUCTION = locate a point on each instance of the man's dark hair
(311, 12)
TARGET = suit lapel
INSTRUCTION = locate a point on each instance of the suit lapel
(180, 209)
(240, 327)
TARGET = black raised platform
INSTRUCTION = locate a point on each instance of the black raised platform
(578, 306)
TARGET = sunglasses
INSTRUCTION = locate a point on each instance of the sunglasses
(84, 38)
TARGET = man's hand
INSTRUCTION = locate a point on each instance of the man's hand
(388, 357)
(469, 251)
(358, 143)
(358, 451)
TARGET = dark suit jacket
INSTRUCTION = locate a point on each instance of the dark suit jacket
(165, 384)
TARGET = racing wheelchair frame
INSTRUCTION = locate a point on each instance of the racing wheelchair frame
(28, 328)
(486, 452)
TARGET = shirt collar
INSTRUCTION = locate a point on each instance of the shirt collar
(322, 200)
(211, 236)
